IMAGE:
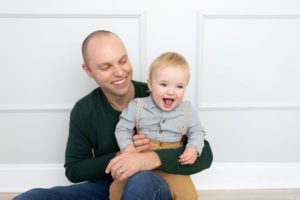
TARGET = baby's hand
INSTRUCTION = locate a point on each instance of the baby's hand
(130, 149)
(189, 156)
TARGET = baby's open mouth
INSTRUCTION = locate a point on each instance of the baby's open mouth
(168, 101)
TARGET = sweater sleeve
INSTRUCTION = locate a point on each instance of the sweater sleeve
(80, 162)
(169, 160)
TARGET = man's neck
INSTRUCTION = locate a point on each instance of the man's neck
(119, 103)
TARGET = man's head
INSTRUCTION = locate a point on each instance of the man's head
(106, 61)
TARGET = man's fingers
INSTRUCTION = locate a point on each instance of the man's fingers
(112, 163)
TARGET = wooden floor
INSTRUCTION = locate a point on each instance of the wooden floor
(287, 194)
(284, 194)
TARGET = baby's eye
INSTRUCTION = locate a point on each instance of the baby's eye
(180, 86)
(163, 84)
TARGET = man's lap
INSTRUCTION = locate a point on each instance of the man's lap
(99, 190)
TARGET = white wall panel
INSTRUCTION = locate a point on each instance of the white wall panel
(255, 135)
(249, 60)
(33, 137)
(41, 57)
(248, 75)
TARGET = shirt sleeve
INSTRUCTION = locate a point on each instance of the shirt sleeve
(124, 128)
(195, 131)
(80, 162)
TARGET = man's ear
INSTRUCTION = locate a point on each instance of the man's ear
(87, 70)
(149, 83)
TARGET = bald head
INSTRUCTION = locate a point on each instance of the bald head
(96, 34)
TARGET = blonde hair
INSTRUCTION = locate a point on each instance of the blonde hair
(169, 59)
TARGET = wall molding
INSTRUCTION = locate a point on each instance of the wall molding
(200, 37)
(22, 177)
(249, 107)
(34, 108)
(73, 15)
(221, 176)
(248, 16)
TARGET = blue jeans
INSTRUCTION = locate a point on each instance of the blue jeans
(144, 185)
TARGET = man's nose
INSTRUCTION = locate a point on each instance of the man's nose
(118, 71)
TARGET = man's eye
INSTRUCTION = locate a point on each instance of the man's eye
(104, 67)
(124, 61)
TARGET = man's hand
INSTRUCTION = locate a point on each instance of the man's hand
(189, 156)
(141, 142)
(127, 164)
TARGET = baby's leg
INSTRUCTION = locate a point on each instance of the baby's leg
(116, 189)
(181, 186)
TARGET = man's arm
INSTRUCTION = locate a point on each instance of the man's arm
(80, 161)
(127, 164)
(169, 158)
(170, 164)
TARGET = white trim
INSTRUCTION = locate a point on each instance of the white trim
(21, 177)
(33, 108)
(249, 107)
(228, 176)
(79, 15)
(250, 16)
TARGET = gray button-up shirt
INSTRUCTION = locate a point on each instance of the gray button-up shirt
(160, 125)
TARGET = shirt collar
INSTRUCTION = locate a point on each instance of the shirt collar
(150, 102)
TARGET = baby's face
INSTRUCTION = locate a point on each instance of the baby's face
(168, 86)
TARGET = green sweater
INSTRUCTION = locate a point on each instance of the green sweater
(92, 144)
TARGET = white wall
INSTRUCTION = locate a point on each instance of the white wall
(244, 62)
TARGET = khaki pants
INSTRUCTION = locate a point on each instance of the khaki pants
(181, 186)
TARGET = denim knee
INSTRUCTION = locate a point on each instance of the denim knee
(146, 185)
(37, 193)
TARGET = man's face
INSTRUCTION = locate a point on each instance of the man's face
(108, 64)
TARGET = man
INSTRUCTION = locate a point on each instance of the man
(92, 152)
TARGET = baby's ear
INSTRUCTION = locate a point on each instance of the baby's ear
(149, 83)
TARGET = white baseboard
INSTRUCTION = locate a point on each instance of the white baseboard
(22, 177)
(229, 176)
(221, 176)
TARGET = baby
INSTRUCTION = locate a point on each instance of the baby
(165, 119)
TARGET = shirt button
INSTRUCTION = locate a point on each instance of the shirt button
(160, 131)
(163, 121)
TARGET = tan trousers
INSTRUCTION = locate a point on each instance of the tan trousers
(181, 186)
